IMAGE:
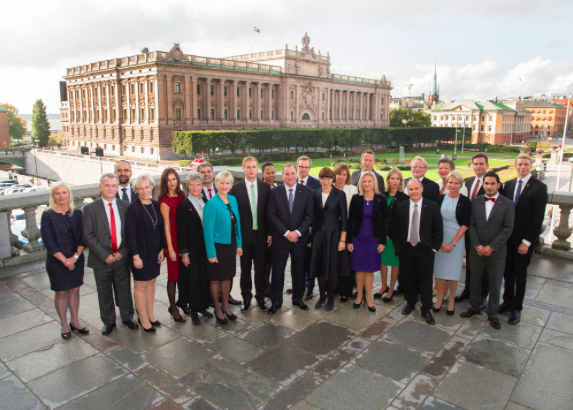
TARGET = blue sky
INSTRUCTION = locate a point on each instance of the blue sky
(482, 48)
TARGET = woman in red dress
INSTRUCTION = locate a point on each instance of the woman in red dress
(170, 196)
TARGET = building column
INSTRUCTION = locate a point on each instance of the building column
(146, 91)
(127, 99)
(246, 106)
(187, 98)
(137, 107)
(193, 92)
(257, 102)
(296, 113)
(269, 102)
(347, 108)
(220, 100)
(279, 106)
(233, 99)
(339, 105)
(170, 91)
(108, 99)
(207, 99)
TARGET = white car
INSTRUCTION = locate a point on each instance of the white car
(37, 188)
(17, 189)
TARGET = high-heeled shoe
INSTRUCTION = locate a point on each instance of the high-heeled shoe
(223, 321)
(150, 330)
(451, 312)
(157, 323)
(371, 309)
(186, 310)
(319, 304)
(356, 305)
(387, 299)
(66, 336)
(83, 331)
(379, 295)
(173, 316)
(230, 316)
(436, 310)
(195, 319)
(344, 299)
(328, 308)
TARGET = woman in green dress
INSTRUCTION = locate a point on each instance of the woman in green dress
(394, 193)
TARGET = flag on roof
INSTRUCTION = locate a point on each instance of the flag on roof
(257, 30)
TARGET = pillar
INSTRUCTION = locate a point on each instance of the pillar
(220, 100)
(233, 99)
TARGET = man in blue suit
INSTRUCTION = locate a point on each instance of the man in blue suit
(290, 209)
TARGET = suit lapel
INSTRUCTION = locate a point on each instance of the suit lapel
(103, 214)
(284, 196)
(318, 198)
(510, 189)
(193, 211)
(496, 206)
(297, 198)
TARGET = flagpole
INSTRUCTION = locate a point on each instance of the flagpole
(560, 162)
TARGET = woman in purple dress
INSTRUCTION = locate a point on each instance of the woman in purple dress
(366, 239)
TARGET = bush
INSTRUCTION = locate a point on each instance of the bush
(403, 167)
(341, 153)
(184, 162)
(355, 166)
(509, 148)
(388, 151)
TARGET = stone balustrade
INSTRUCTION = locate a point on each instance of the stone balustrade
(564, 200)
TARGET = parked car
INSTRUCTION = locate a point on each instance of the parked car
(8, 181)
(4, 186)
(17, 189)
(36, 188)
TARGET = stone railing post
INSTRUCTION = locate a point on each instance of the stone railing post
(13, 238)
(32, 233)
(78, 202)
(562, 231)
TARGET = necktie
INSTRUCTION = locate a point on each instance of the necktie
(476, 188)
(301, 182)
(254, 207)
(124, 196)
(415, 227)
(210, 194)
(290, 200)
(113, 232)
(487, 198)
(518, 193)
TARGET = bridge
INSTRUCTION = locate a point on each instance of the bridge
(14, 158)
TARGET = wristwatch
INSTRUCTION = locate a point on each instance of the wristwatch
(76, 256)
(185, 255)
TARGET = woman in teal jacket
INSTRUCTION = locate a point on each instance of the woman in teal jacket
(222, 232)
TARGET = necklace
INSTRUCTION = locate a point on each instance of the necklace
(155, 213)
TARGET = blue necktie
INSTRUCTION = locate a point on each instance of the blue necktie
(518, 193)
(124, 196)
(290, 200)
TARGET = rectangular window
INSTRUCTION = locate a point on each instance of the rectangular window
(133, 114)
(474, 127)
(291, 115)
(125, 114)
(225, 114)
(142, 115)
(211, 90)
(152, 114)
(225, 91)
(250, 115)
(261, 93)
(142, 150)
(141, 89)
(97, 116)
(151, 135)
(291, 95)
(323, 96)
(177, 88)
(132, 149)
(261, 114)
(95, 93)
(382, 101)
(112, 89)
(105, 115)
(238, 92)
(151, 151)
(238, 114)
(198, 89)
(481, 128)
(123, 89)
(132, 88)
(114, 115)
(483, 118)
(199, 113)
(489, 127)
(272, 93)
(151, 87)
(212, 114)
(490, 118)
(177, 113)
(250, 93)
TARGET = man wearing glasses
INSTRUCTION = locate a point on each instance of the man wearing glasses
(367, 162)
(431, 189)
(125, 191)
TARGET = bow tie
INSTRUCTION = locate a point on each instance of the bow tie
(490, 199)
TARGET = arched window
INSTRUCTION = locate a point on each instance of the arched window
(322, 116)
(306, 117)
(291, 116)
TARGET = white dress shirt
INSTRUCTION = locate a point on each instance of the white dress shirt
(116, 218)
(324, 198)
(293, 195)
(350, 191)
(249, 192)
(127, 191)
(489, 205)
(523, 185)
(305, 180)
(412, 203)
(478, 181)
(206, 190)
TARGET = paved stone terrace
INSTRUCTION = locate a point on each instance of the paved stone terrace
(347, 359)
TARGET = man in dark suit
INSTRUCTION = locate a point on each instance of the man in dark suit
(125, 191)
(304, 164)
(419, 168)
(290, 210)
(209, 189)
(417, 232)
(490, 227)
(104, 235)
(367, 160)
(252, 195)
(530, 198)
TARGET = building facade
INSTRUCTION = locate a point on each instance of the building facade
(131, 106)
(4, 129)
(492, 122)
(416, 103)
(547, 118)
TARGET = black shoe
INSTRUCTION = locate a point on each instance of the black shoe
(289, 291)
(398, 291)
(157, 323)
(273, 309)
(502, 308)
(230, 316)
(450, 312)
(195, 319)
(463, 296)
(356, 305)
(483, 303)
(150, 330)
(436, 310)
(301, 305)
(173, 316)
(371, 309)
(246, 305)
(82, 331)
(378, 295)
(495, 323)
(387, 299)
(469, 313)
(186, 310)
(132, 324)
(515, 317)
(263, 305)
(407, 309)
(308, 295)
(234, 301)
(344, 299)
(429, 318)
(223, 321)
(355, 295)
(66, 336)
(206, 313)
(107, 329)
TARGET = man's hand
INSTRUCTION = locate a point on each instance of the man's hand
(487, 251)
(292, 236)
(110, 259)
(522, 249)
(479, 250)
(269, 241)
(117, 256)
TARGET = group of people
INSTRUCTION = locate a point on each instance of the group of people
(337, 230)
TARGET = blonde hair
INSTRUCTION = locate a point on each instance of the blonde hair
(53, 199)
(524, 156)
(303, 158)
(224, 175)
(247, 159)
(421, 159)
(457, 175)
(390, 173)
(373, 175)
(141, 179)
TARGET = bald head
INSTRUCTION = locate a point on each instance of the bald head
(415, 189)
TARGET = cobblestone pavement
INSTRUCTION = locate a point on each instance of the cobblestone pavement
(342, 359)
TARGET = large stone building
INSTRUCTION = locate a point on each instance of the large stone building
(131, 105)
(547, 118)
(4, 129)
(492, 122)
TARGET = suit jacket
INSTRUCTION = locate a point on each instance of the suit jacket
(312, 183)
(463, 209)
(431, 226)
(379, 217)
(281, 218)
(239, 191)
(134, 195)
(356, 179)
(204, 195)
(97, 233)
(529, 210)
(470, 181)
(332, 215)
(494, 231)
(399, 197)
(190, 230)
(136, 232)
(431, 189)
(217, 224)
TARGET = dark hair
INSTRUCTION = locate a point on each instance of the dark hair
(493, 175)
(204, 164)
(480, 155)
(267, 164)
(326, 172)
(163, 187)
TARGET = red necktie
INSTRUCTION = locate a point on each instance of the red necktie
(113, 232)
(210, 194)
(487, 198)
(474, 193)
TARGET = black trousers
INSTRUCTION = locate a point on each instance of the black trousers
(485, 275)
(114, 279)
(255, 253)
(515, 276)
(417, 265)
(309, 282)
(282, 248)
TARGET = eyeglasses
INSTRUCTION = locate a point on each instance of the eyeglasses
(419, 167)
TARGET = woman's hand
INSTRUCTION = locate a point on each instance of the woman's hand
(161, 257)
(172, 255)
(381, 248)
(443, 247)
(449, 248)
(309, 244)
(69, 262)
(341, 246)
(350, 247)
(213, 260)
(186, 261)
(138, 264)
(72, 267)
(239, 251)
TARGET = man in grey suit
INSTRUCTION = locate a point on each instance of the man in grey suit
(367, 160)
(104, 235)
(490, 228)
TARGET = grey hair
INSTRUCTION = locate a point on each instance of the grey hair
(204, 164)
(224, 175)
(447, 160)
(141, 179)
(413, 179)
(193, 177)
(108, 175)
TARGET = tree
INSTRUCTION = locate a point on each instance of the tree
(182, 143)
(16, 125)
(55, 140)
(40, 123)
(413, 119)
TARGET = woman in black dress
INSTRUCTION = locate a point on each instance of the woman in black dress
(61, 229)
(269, 176)
(328, 238)
(146, 241)
(193, 285)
